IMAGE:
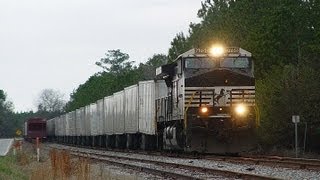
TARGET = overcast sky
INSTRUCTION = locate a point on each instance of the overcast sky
(54, 44)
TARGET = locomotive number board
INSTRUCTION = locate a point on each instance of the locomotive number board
(228, 50)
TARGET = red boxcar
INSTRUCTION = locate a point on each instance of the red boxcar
(35, 127)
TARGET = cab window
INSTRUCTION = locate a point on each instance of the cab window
(199, 63)
(235, 62)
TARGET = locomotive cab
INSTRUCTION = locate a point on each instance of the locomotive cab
(210, 105)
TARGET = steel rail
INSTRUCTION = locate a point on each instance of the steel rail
(301, 163)
(116, 161)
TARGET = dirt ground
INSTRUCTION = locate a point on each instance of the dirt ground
(55, 164)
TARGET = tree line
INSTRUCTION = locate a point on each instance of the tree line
(49, 104)
(117, 73)
(284, 38)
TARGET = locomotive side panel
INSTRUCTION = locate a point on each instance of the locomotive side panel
(161, 99)
(161, 89)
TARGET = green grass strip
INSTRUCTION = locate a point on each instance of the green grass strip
(9, 169)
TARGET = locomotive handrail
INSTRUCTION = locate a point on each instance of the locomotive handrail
(256, 108)
(187, 107)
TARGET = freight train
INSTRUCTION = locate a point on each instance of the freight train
(204, 101)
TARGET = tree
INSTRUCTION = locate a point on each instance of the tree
(50, 101)
(2, 95)
(4, 104)
(118, 73)
(148, 70)
(6, 122)
(179, 45)
(115, 62)
(287, 91)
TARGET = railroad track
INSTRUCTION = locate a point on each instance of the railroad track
(296, 163)
(161, 167)
(288, 162)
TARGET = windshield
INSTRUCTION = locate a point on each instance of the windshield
(199, 63)
(208, 63)
(235, 62)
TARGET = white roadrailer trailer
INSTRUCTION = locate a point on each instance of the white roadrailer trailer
(108, 114)
(63, 125)
(100, 117)
(147, 123)
(72, 123)
(51, 128)
(93, 120)
(80, 122)
(87, 121)
(131, 109)
(118, 112)
(57, 124)
(122, 120)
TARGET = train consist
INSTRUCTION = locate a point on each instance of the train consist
(204, 101)
(35, 128)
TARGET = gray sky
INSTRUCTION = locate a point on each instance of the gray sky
(54, 44)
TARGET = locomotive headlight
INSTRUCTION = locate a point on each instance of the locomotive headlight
(241, 109)
(217, 51)
(203, 109)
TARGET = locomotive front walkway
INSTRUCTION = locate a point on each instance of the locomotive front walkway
(5, 146)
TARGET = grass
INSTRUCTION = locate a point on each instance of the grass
(62, 167)
(9, 169)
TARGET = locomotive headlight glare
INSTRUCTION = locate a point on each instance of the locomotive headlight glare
(241, 109)
(217, 51)
(203, 110)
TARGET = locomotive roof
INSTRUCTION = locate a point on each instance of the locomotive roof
(231, 51)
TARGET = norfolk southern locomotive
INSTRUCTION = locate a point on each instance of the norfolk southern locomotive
(204, 102)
